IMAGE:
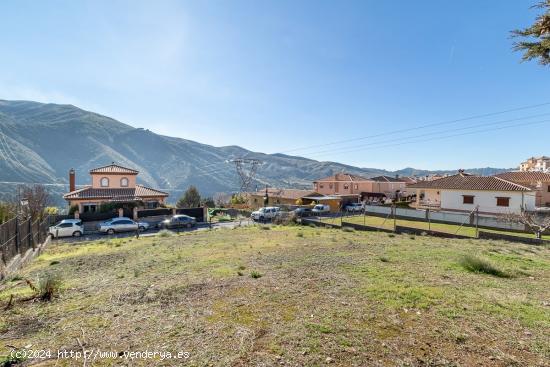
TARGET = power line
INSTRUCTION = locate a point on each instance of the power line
(425, 134)
(444, 137)
(419, 127)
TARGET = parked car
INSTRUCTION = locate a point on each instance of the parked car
(121, 224)
(266, 213)
(67, 228)
(321, 208)
(354, 208)
(178, 221)
(303, 212)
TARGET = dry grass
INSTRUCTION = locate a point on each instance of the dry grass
(325, 296)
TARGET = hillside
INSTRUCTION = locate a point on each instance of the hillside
(41, 142)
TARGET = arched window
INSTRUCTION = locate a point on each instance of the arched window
(104, 182)
(123, 182)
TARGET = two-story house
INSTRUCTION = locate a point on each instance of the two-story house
(112, 184)
(537, 180)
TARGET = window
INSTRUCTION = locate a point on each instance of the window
(123, 182)
(346, 186)
(321, 186)
(467, 199)
(548, 188)
(503, 201)
(65, 225)
(356, 187)
(104, 182)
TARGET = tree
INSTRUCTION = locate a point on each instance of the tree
(535, 40)
(7, 211)
(190, 199)
(209, 202)
(34, 200)
(538, 223)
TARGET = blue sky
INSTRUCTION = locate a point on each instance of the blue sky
(274, 76)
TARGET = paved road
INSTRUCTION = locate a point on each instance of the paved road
(153, 231)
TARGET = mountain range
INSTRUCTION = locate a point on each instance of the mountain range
(40, 142)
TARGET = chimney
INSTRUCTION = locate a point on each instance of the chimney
(72, 178)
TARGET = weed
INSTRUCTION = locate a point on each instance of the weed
(55, 262)
(165, 233)
(412, 237)
(300, 234)
(477, 265)
(255, 274)
(348, 229)
(265, 228)
(242, 267)
(15, 278)
(384, 259)
(48, 287)
(319, 328)
(391, 235)
(240, 273)
(13, 359)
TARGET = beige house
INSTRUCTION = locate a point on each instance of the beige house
(349, 184)
(536, 180)
(112, 184)
(540, 164)
(466, 193)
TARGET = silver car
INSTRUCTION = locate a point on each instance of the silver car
(121, 224)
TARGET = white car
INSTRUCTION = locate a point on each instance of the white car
(321, 208)
(266, 213)
(354, 207)
(67, 228)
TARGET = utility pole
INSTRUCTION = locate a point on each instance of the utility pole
(266, 200)
(393, 208)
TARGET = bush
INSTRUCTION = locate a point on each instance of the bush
(265, 228)
(165, 233)
(477, 265)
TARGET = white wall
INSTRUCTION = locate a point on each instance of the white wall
(453, 199)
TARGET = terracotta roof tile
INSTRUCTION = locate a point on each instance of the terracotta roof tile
(343, 177)
(466, 182)
(114, 168)
(525, 177)
(114, 194)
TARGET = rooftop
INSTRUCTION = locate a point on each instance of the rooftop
(114, 168)
(346, 177)
(525, 176)
(136, 193)
(286, 193)
(468, 182)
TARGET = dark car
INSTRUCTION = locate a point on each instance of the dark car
(178, 221)
(303, 212)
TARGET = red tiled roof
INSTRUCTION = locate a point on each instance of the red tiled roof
(114, 194)
(467, 182)
(114, 168)
(525, 177)
(345, 177)
(386, 179)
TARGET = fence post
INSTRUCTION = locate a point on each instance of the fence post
(30, 236)
(17, 239)
(394, 210)
(477, 221)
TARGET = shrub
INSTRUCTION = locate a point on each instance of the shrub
(300, 234)
(48, 287)
(348, 229)
(391, 235)
(255, 274)
(240, 273)
(265, 228)
(165, 233)
(477, 265)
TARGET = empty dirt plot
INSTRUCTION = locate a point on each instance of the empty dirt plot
(296, 296)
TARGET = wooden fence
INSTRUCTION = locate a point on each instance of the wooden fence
(19, 235)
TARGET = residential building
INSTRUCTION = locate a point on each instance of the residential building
(281, 197)
(465, 193)
(540, 164)
(112, 184)
(349, 184)
(536, 180)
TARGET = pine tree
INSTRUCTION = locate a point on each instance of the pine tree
(535, 43)
(190, 199)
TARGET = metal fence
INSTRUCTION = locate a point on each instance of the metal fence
(18, 235)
